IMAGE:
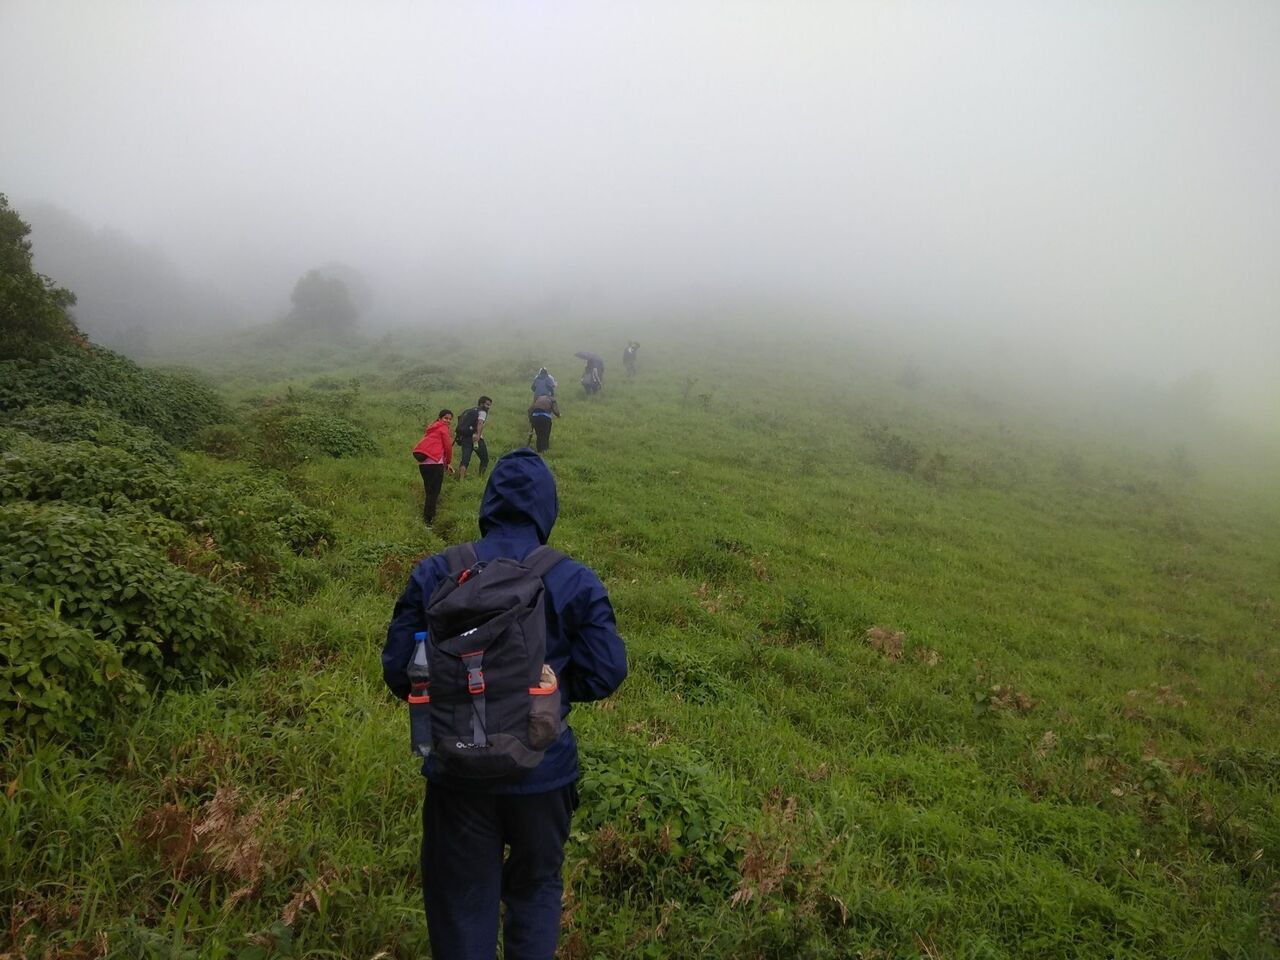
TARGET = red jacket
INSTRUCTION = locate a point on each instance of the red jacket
(436, 444)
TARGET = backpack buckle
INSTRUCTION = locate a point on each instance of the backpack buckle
(475, 681)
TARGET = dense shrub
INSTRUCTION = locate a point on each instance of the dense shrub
(168, 624)
(660, 827)
(61, 422)
(85, 473)
(225, 440)
(293, 428)
(56, 678)
(891, 450)
(255, 523)
(315, 433)
(173, 404)
(132, 564)
(799, 622)
(691, 676)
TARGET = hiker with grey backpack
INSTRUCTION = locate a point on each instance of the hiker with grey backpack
(491, 643)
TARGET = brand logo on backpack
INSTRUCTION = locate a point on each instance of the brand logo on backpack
(495, 703)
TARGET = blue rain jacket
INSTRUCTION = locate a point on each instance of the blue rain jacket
(583, 647)
(544, 385)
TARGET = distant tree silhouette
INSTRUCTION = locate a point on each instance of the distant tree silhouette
(322, 305)
(357, 285)
(34, 317)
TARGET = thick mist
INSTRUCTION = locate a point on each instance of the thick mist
(1053, 185)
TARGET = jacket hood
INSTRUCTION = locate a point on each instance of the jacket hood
(521, 491)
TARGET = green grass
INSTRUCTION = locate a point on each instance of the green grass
(766, 783)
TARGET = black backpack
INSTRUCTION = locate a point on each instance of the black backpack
(495, 704)
(466, 423)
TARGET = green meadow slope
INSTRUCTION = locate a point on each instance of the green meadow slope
(913, 674)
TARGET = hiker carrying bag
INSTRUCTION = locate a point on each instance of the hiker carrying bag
(466, 424)
(495, 702)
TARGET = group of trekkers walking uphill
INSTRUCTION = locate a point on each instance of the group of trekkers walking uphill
(490, 645)
(434, 451)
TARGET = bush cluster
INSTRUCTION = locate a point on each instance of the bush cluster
(891, 450)
(131, 568)
(56, 677)
(309, 434)
(106, 584)
(660, 827)
(174, 405)
(285, 431)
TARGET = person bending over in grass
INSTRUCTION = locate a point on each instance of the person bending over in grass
(540, 413)
(467, 822)
(434, 454)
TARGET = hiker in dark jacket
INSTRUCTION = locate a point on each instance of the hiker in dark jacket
(470, 435)
(466, 824)
(540, 413)
(544, 384)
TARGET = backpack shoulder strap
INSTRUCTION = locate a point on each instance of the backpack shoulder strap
(460, 556)
(541, 559)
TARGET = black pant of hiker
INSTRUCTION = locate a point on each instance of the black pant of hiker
(432, 478)
(541, 429)
(469, 445)
(465, 877)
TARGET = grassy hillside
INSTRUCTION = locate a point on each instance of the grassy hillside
(914, 674)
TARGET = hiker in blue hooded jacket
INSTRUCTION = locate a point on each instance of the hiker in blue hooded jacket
(467, 823)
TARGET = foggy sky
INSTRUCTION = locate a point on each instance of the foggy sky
(1097, 177)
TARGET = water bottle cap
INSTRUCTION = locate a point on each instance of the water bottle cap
(420, 636)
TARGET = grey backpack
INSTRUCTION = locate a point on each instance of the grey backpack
(495, 704)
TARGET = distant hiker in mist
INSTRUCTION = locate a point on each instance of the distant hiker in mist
(544, 384)
(493, 849)
(593, 375)
(470, 435)
(434, 454)
(629, 357)
(540, 413)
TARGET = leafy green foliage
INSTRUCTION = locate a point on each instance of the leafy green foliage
(168, 625)
(172, 404)
(688, 675)
(61, 422)
(658, 826)
(56, 678)
(86, 473)
(130, 563)
(34, 321)
(301, 425)
(799, 622)
(312, 433)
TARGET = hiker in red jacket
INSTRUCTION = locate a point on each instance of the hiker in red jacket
(434, 454)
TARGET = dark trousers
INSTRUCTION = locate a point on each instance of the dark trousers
(542, 430)
(468, 445)
(432, 478)
(464, 877)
